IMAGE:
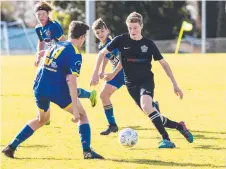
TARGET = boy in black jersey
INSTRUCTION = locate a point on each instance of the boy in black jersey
(136, 56)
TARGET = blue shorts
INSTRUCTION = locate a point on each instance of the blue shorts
(43, 102)
(118, 80)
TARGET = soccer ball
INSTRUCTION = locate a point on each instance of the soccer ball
(128, 137)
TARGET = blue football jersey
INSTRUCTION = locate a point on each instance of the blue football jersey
(50, 33)
(113, 56)
(61, 59)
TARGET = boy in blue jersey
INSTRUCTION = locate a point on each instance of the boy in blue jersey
(56, 81)
(102, 34)
(49, 32)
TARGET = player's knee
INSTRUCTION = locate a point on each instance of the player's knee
(83, 118)
(104, 95)
(147, 108)
(43, 119)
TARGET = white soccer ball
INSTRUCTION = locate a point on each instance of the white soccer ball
(128, 137)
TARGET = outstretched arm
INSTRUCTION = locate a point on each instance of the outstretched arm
(40, 52)
(104, 64)
(169, 73)
(110, 76)
(95, 77)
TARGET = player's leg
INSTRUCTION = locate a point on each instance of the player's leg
(108, 89)
(105, 95)
(84, 129)
(146, 105)
(82, 93)
(43, 114)
(142, 95)
(181, 127)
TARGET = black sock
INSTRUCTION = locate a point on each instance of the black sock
(156, 120)
(171, 124)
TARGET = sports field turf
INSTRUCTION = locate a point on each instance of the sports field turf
(57, 146)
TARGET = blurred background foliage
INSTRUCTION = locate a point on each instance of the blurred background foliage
(162, 20)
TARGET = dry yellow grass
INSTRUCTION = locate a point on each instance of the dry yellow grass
(202, 79)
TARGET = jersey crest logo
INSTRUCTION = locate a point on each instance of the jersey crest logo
(48, 33)
(78, 66)
(144, 49)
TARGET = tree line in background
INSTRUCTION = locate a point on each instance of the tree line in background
(162, 20)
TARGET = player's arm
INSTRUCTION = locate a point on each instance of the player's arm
(110, 47)
(99, 60)
(169, 73)
(158, 57)
(40, 46)
(72, 85)
(104, 64)
(40, 52)
(110, 76)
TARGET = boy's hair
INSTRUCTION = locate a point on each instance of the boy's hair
(99, 24)
(135, 17)
(43, 6)
(77, 29)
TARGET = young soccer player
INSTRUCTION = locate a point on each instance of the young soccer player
(49, 32)
(102, 34)
(56, 81)
(136, 55)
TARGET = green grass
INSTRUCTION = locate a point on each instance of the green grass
(202, 79)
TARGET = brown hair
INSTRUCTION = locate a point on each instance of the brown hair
(99, 24)
(135, 17)
(43, 6)
(77, 29)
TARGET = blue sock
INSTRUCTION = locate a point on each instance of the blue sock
(84, 131)
(108, 110)
(83, 93)
(24, 134)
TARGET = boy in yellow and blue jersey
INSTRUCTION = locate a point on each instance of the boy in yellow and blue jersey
(56, 81)
(102, 34)
(50, 32)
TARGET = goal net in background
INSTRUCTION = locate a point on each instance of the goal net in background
(17, 39)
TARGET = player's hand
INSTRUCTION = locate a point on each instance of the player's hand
(76, 118)
(36, 63)
(177, 91)
(95, 79)
(41, 53)
(101, 75)
(108, 76)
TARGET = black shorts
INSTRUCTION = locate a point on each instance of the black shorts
(144, 87)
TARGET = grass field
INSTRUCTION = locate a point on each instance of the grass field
(202, 79)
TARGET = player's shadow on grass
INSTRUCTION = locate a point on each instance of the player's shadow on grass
(136, 128)
(164, 163)
(201, 136)
(32, 146)
(208, 132)
(209, 147)
(45, 158)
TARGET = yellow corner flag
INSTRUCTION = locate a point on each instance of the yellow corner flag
(186, 26)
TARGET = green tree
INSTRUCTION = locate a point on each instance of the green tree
(66, 11)
(221, 20)
(162, 20)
